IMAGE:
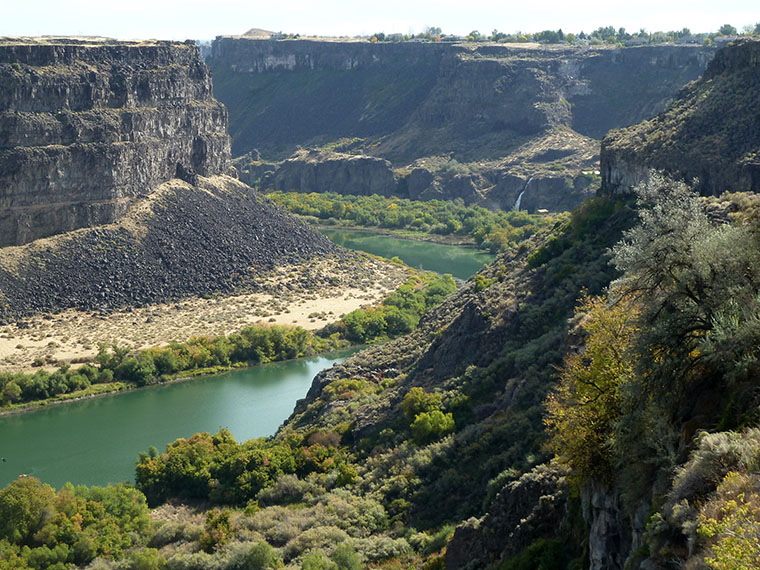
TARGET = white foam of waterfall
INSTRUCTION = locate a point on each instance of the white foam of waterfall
(519, 197)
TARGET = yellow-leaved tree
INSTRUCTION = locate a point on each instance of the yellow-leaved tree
(584, 408)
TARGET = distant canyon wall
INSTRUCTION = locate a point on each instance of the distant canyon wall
(518, 117)
(288, 92)
(709, 136)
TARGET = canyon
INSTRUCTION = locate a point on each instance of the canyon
(479, 122)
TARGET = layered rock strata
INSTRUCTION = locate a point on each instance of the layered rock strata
(515, 117)
(88, 126)
(709, 136)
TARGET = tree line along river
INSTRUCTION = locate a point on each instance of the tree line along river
(96, 441)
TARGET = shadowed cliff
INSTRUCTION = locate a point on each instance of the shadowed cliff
(482, 121)
(710, 135)
(88, 126)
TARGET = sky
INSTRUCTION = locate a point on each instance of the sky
(203, 20)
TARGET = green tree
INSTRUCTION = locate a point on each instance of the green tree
(12, 392)
(417, 401)
(217, 530)
(346, 558)
(429, 426)
(727, 30)
(24, 504)
(317, 561)
(584, 409)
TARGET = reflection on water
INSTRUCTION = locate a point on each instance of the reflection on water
(461, 262)
(97, 441)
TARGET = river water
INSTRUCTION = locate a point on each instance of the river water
(461, 262)
(96, 441)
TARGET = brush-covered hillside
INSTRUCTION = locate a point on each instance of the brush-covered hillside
(709, 135)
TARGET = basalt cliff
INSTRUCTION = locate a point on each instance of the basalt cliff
(117, 154)
(484, 123)
(88, 127)
(709, 136)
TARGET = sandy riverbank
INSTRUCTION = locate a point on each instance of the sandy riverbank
(310, 295)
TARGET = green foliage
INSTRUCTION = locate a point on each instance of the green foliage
(317, 561)
(46, 529)
(146, 559)
(261, 556)
(217, 530)
(583, 411)
(495, 231)
(345, 557)
(481, 282)
(429, 426)
(417, 401)
(398, 314)
(524, 366)
(254, 345)
(218, 469)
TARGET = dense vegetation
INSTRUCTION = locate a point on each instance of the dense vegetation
(672, 349)
(119, 367)
(398, 314)
(495, 231)
(401, 469)
(602, 35)
(44, 529)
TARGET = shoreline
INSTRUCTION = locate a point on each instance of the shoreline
(40, 404)
(461, 241)
(309, 295)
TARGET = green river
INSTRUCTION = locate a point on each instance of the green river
(96, 441)
(461, 262)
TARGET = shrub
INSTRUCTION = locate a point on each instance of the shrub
(261, 556)
(345, 557)
(317, 561)
(429, 426)
(417, 401)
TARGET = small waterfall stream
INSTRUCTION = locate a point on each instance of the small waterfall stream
(516, 207)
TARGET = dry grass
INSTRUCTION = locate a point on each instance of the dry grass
(310, 295)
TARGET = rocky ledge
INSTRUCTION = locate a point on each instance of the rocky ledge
(709, 136)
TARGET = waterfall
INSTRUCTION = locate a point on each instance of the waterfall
(519, 197)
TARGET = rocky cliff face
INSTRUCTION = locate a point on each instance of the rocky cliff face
(709, 136)
(509, 113)
(333, 172)
(86, 127)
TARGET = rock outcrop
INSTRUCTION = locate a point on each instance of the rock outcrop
(528, 509)
(334, 172)
(709, 136)
(112, 182)
(88, 126)
(508, 113)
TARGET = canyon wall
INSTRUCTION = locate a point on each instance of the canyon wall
(709, 136)
(88, 126)
(517, 112)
